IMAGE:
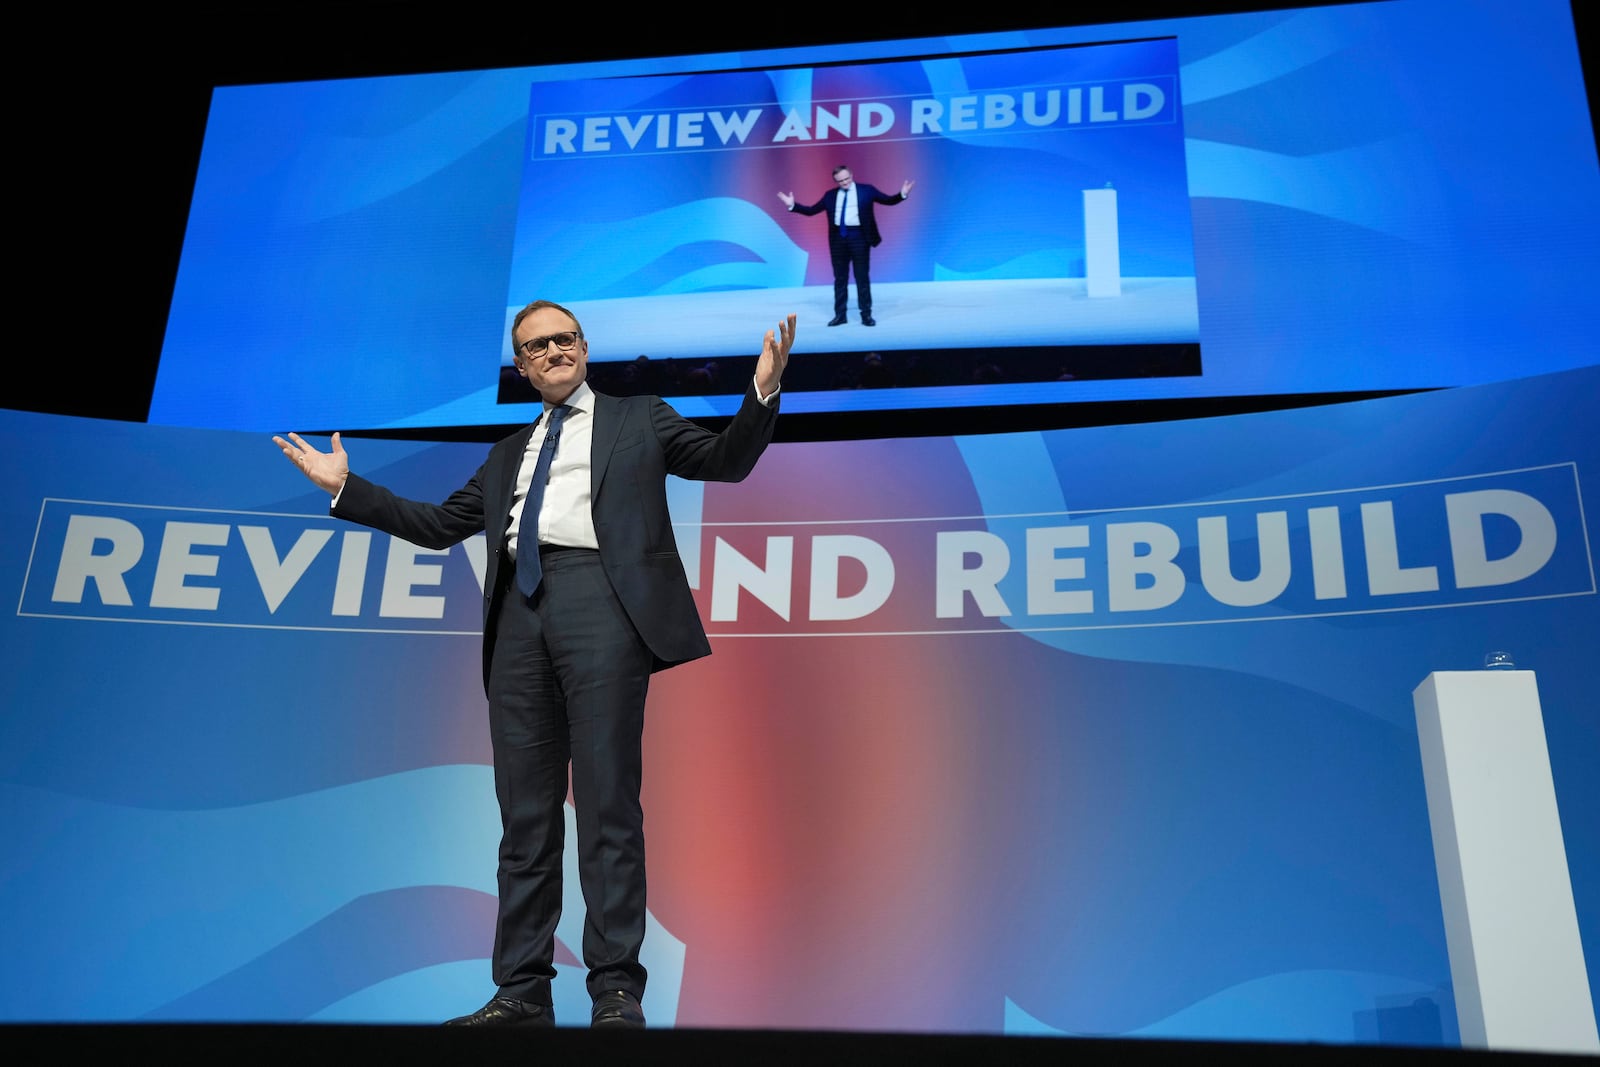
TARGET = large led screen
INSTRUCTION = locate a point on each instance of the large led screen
(1315, 201)
(1081, 266)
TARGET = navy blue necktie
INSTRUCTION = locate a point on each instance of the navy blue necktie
(529, 572)
(844, 211)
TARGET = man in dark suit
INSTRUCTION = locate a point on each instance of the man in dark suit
(585, 597)
(852, 235)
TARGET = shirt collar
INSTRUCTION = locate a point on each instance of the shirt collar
(580, 399)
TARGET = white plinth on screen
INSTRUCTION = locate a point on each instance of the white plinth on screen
(1510, 923)
(1102, 250)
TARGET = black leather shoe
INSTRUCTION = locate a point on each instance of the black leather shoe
(838, 320)
(868, 320)
(503, 1011)
(617, 1009)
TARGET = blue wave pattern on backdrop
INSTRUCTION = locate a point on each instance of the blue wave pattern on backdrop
(203, 812)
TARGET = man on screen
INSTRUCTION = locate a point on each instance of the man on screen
(585, 596)
(852, 235)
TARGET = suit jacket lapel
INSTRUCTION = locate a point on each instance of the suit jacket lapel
(609, 415)
(497, 508)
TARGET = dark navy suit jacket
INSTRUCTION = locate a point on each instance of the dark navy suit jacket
(870, 195)
(637, 442)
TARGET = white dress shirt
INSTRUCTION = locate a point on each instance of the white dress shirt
(849, 207)
(566, 518)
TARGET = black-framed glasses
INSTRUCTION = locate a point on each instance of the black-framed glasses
(537, 346)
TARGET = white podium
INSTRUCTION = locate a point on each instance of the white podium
(1102, 247)
(1510, 924)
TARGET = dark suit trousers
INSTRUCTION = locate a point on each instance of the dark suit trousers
(567, 686)
(851, 253)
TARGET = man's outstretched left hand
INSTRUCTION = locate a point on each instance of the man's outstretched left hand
(774, 356)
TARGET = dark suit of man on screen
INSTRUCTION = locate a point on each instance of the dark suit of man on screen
(852, 235)
(583, 601)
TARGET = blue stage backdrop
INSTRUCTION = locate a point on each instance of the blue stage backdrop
(1101, 731)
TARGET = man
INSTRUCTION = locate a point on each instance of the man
(852, 235)
(585, 596)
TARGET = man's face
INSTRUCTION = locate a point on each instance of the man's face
(844, 179)
(554, 372)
